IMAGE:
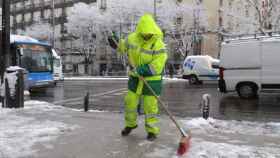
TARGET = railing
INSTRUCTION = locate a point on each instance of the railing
(231, 37)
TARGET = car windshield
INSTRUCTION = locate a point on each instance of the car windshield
(35, 58)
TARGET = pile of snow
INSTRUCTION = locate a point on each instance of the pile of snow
(167, 79)
(226, 139)
(233, 127)
(11, 76)
(20, 129)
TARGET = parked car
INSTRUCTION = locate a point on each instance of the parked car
(199, 68)
(250, 66)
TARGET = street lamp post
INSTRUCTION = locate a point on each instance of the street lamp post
(53, 24)
(155, 9)
(5, 38)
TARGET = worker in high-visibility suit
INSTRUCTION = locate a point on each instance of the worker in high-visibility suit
(147, 56)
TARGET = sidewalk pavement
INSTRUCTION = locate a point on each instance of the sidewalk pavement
(98, 136)
(67, 133)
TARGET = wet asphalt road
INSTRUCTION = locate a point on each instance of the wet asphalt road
(181, 98)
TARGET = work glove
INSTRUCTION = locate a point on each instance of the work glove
(143, 70)
(113, 40)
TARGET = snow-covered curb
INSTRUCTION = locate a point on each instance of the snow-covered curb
(117, 78)
(94, 78)
(22, 128)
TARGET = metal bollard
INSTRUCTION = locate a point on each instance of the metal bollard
(86, 102)
(205, 106)
(20, 89)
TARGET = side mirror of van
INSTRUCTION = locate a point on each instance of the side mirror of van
(215, 66)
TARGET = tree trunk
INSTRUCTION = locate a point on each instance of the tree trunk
(86, 67)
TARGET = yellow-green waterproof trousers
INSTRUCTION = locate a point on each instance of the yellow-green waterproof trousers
(150, 109)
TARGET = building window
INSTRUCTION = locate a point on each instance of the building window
(19, 18)
(36, 2)
(103, 4)
(221, 2)
(179, 20)
(18, 6)
(58, 12)
(28, 3)
(27, 17)
(47, 13)
(37, 16)
(247, 7)
(68, 11)
(11, 20)
(58, 28)
(220, 21)
(58, 1)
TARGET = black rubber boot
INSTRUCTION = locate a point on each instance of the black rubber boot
(127, 130)
(151, 137)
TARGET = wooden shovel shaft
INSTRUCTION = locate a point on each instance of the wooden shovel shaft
(183, 133)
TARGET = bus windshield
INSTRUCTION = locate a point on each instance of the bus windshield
(35, 58)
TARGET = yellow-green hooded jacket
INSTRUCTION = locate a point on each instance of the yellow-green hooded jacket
(147, 57)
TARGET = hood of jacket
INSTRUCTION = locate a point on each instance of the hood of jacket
(147, 25)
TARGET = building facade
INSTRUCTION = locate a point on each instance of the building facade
(204, 30)
(25, 13)
(246, 17)
(223, 17)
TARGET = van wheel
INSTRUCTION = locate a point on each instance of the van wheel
(193, 79)
(247, 91)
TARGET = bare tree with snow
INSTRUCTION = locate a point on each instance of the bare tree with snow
(251, 16)
(182, 22)
(85, 24)
(41, 31)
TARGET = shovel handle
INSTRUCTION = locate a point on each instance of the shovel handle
(183, 133)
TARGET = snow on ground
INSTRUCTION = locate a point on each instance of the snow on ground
(234, 127)
(227, 139)
(166, 79)
(20, 129)
(95, 78)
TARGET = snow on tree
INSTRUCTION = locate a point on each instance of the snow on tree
(271, 15)
(182, 22)
(85, 24)
(41, 31)
(251, 16)
(124, 14)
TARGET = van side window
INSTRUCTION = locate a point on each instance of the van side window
(190, 64)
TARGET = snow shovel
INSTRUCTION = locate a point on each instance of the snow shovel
(185, 139)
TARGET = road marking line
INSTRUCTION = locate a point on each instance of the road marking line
(94, 95)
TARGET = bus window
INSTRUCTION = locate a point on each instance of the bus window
(35, 58)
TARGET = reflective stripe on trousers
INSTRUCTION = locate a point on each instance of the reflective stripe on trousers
(150, 109)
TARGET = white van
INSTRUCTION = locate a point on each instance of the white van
(250, 66)
(57, 67)
(199, 68)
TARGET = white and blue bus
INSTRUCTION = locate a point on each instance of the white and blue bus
(36, 57)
